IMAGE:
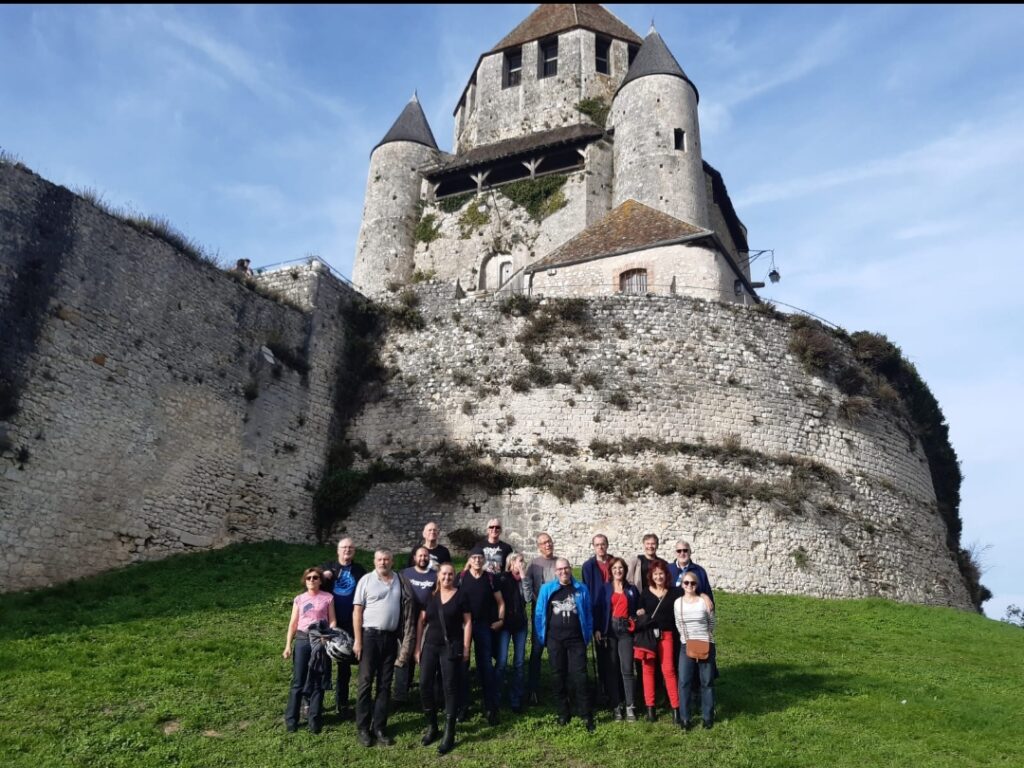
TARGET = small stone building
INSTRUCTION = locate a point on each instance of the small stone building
(576, 170)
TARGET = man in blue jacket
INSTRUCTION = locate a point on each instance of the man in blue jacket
(564, 625)
(683, 564)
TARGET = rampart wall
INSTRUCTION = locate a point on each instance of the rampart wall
(147, 414)
(687, 418)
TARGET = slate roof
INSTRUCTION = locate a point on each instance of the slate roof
(550, 19)
(499, 150)
(631, 227)
(411, 125)
(654, 58)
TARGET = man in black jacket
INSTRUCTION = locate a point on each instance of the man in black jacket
(340, 579)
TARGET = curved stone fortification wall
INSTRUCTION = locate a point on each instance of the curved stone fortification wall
(626, 415)
(147, 416)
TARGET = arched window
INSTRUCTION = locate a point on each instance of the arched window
(633, 281)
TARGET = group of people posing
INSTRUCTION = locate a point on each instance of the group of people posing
(649, 612)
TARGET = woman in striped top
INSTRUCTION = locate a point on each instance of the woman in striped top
(695, 620)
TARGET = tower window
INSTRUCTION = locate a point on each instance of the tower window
(548, 65)
(513, 68)
(633, 51)
(633, 282)
(602, 49)
(680, 139)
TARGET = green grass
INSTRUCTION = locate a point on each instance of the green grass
(179, 663)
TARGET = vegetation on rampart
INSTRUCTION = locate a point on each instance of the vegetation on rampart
(538, 197)
(870, 369)
(596, 109)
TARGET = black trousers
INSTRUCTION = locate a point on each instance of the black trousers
(434, 658)
(568, 658)
(617, 652)
(300, 668)
(376, 668)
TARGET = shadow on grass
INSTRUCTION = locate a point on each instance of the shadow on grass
(760, 688)
(201, 582)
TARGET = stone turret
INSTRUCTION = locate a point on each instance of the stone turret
(657, 138)
(384, 251)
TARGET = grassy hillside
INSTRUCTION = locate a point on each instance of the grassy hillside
(179, 663)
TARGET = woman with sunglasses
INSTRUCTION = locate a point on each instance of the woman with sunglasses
(308, 608)
(695, 620)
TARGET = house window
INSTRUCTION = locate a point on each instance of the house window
(602, 49)
(680, 139)
(513, 68)
(548, 65)
(633, 282)
(633, 51)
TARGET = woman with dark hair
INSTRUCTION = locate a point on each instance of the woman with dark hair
(615, 608)
(443, 638)
(695, 620)
(308, 608)
(657, 623)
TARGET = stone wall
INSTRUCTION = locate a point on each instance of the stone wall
(537, 103)
(686, 270)
(648, 168)
(683, 417)
(384, 248)
(469, 249)
(151, 417)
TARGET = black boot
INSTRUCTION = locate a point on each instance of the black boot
(651, 715)
(448, 740)
(431, 734)
(677, 718)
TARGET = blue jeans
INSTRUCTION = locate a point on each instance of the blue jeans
(689, 671)
(484, 667)
(515, 685)
(300, 667)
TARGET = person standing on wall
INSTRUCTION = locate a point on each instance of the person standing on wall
(308, 608)
(436, 551)
(422, 580)
(381, 615)
(487, 609)
(596, 573)
(540, 571)
(444, 634)
(563, 622)
(340, 579)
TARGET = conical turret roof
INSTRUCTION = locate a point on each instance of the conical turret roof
(552, 18)
(654, 58)
(412, 126)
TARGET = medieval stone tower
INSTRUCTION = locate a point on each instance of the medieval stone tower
(577, 114)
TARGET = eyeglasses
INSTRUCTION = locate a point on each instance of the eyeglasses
(689, 583)
(562, 570)
(313, 577)
(680, 551)
(493, 527)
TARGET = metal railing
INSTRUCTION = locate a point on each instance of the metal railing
(308, 260)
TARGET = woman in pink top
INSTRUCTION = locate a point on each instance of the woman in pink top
(307, 609)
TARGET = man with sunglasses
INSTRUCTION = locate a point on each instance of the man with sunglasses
(495, 550)
(684, 565)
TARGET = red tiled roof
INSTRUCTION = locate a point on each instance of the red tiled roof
(550, 19)
(632, 226)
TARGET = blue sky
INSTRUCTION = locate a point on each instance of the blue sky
(879, 150)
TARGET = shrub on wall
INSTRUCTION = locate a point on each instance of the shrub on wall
(455, 202)
(427, 229)
(538, 197)
(596, 109)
